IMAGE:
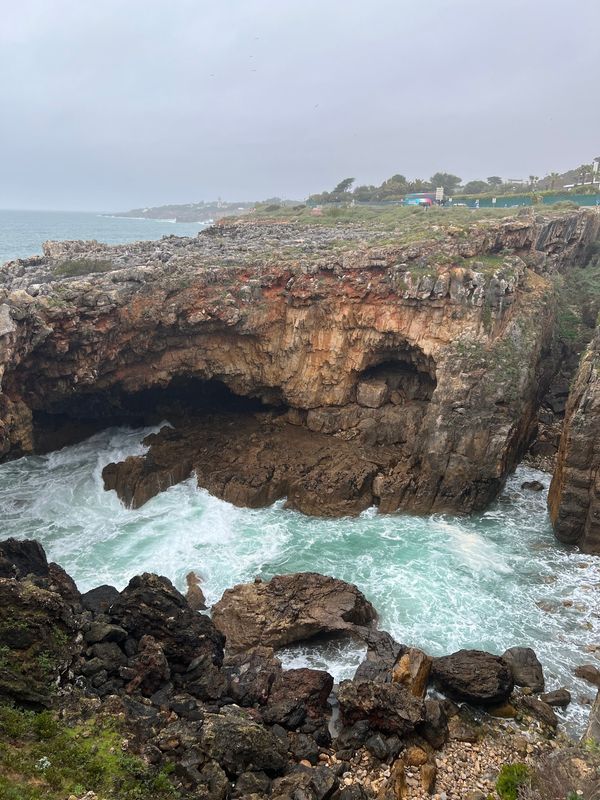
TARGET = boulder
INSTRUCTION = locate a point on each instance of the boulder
(194, 594)
(150, 604)
(559, 697)
(148, 670)
(525, 667)
(541, 710)
(99, 599)
(434, 727)
(386, 707)
(297, 694)
(22, 557)
(473, 676)
(589, 673)
(239, 744)
(290, 608)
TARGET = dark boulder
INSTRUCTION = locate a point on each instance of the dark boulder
(386, 707)
(239, 744)
(541, 710)
(589, 673)
(290, 608)
(533, 486)
(473, 676)
(150, 604)
(99, 599)
(22, 557)
(525, 667)
(250, 675)
(148, 670)
(434, 727)
(382, 653)
(299, 690)
(37, 642)
(559, 697)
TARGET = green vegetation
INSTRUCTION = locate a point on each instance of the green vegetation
(43, 758)
(579, 302)
(82, 266)
(510, 779)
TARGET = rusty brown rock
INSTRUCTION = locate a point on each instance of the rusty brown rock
(290, 608)
(412, 671)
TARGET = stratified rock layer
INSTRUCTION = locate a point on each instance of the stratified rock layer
(574, 498)
(433, 344)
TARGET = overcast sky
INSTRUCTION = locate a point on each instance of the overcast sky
(113, 104)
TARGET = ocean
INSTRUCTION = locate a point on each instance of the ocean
(23, 232)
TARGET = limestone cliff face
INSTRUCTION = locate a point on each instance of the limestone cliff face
(574, 498)
(432, 347)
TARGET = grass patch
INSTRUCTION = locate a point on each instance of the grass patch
(42, 758)
(578, 304)
(82, 266)
(510, 779)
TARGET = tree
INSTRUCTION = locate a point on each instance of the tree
(449, 182)
(495, 180)
(343, 186)
(553, 177)
(419, 185)
(475, 187)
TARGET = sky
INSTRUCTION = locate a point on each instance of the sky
(109, 105)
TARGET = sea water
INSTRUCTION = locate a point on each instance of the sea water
(23, 232)
(439, 582)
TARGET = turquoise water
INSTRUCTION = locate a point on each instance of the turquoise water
(22, 232)
(439, 582)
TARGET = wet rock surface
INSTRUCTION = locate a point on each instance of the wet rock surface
(232, 723)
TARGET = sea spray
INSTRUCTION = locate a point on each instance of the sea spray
(439, 582)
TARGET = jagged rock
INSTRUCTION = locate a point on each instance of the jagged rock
(251, 674)
(297, 693)
(238, 744)
(534, 486)
(474, 676)
(37, 641)
(290, 608)
(22, 557)
(100, 631)
(525, 667)
(574, 497)
(194, 594)
(150, 604)
(149, 669)
(382, 653)
(386, 707)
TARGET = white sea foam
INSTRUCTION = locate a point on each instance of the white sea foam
(441, 583)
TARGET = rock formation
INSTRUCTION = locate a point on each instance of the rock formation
(574, 498)
(423, 346)
(290, 608)
(193, 721)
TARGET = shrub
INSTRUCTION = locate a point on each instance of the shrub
(510, 779)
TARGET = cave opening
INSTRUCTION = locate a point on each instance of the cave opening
(78, 416)
(400, 376)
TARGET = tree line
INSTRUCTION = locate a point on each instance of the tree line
(396, 187)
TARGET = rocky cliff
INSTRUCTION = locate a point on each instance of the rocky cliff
(416, 356)
(574, 498)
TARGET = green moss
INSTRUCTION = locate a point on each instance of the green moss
(510, 779)
(82, 266)
(578, 304)
(42, 758)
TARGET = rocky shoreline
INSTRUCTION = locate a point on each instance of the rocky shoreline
(204, 704)
(338, 366)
